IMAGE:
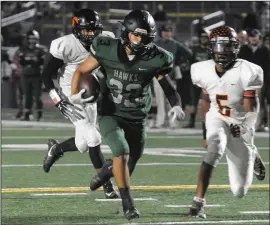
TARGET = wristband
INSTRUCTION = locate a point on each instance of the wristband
(204, 130)
(55, 96)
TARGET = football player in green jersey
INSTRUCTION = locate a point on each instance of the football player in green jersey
(129, 65)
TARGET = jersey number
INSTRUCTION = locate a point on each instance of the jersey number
(118, 98)
(223, 109)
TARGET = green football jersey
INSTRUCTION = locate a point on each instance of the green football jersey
(128, 92)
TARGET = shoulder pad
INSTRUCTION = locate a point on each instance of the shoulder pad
(198, 70)
(251, 76)
(165, 55)
(100, 42)
(59, 47)
(166, 61)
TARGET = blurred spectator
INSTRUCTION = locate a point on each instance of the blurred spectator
(31, 58)
(181, 74)
(266, 40)
(266, 87)
(6, 64)
(242, 37)
(145, 7)
(7, 70)
(200, 53)
(160, 15)
(258, 54)
(250, 22)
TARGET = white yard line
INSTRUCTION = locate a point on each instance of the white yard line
(118, 199)
(187, 206)
(171, 223)
(59, 194)
(254, 212)
(36, 128)
(15, 124)
(105, 149)
(204, 222)
(89, 164)
(39, 147)
(64, 137)
(199, 132)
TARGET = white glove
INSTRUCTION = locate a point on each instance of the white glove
(77, 98)
(66, 108)
(176, 112)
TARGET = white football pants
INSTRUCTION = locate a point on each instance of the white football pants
(86, 133)
(240, 152)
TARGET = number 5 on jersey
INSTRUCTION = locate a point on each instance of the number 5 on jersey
(223, 109)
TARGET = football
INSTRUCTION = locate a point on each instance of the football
(90, 83)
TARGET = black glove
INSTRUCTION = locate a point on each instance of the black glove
(235, 130)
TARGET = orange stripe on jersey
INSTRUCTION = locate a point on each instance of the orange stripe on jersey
(250, 94)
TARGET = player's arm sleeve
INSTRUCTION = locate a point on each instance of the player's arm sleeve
(252, 83)
(166, 83)
(169, 90)
(50, 69)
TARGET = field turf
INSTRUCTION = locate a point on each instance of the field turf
(163, 184)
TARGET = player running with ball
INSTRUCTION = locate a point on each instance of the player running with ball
(130, 63)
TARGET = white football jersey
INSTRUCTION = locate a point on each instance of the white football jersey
(69, 49)
(227, 92)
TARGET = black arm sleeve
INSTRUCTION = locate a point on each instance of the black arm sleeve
(170, 92)
(50, 69)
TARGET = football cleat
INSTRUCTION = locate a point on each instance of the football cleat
(19, 115)
(132, 213)
(197, 208)
(39, 115)
(259, 168)
(109, 191)
(103, 176)
(51, 156)
(95, 183)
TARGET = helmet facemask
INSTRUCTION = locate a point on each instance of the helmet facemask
(86, 34)
(137, 48)
(224, 51)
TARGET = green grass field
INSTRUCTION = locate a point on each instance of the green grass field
(163, 184)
